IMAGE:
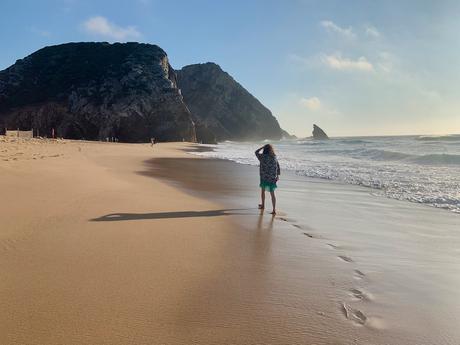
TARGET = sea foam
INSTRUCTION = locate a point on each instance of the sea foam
(413, 168)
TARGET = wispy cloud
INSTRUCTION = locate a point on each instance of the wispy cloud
(339, 63)
(101, 26)
(371, 31)
(40, 32)
(317, 108)
(312, 103)
(386, 62)
(332, 27)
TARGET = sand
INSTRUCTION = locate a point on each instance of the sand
(170, 270)
(109, 243)
(392, 266)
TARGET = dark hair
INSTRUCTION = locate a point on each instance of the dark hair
(268, 150)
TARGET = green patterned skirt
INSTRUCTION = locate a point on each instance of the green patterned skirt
(268, 186)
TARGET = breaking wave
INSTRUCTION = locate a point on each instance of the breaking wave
(401, 168)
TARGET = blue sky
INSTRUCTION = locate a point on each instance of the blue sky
(352, 67)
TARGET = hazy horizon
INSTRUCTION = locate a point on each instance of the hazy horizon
(354, 68)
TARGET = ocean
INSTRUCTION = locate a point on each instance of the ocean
(422, 169)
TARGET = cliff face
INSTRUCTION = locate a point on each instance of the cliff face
(130, 92)
(94, 91)
(223, 108)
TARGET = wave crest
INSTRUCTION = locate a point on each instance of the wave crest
(452, 137)
(438, 159)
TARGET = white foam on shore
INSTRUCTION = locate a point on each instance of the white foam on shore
(419, 169)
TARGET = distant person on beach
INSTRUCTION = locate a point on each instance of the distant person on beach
(269, 174)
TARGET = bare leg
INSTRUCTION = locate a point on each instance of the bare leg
(272, 193)
(262, 197)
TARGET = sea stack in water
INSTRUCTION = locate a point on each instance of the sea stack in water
(318, 133)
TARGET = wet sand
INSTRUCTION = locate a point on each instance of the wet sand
(128, 244)
(392, 267)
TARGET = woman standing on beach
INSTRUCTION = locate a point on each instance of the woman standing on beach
(269, 174)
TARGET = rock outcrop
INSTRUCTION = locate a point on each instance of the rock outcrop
(94, 91)
(318, 133)
(222, 108)
(129, 92)
(286, 135)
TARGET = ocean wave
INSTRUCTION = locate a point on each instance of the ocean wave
(452, 137)
(367, 154)
(353, 141)
(400, 168)
(437, 159)
(385, 155)
(310, 141)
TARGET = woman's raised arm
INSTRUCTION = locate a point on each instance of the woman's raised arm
(257, 152)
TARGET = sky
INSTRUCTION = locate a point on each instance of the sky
(352, 67)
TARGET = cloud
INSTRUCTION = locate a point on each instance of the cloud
(386, 62)
(101, 26)
(332, 27)
(372, 31)
(40, 32)
(344, 64)
(312, 103)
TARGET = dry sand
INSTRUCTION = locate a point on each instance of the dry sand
(94, 250)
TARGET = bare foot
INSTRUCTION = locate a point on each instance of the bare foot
(261, 207)
(273, 212)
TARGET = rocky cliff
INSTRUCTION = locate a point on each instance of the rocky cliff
(130, 92)
(95, 91)
(222, 108)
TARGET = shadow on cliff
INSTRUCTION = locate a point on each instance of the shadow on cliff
(112, 217)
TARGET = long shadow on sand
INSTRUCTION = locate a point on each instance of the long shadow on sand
(112, 217)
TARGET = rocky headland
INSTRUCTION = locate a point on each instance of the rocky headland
(128, 91)
(222, 106)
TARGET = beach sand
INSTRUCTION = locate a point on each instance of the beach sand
(109, 243)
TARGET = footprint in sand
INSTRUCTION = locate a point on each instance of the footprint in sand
(308, 235)
(358, 274)
(297, 226)
(333, 246)
(361, 295)
(352, 314)
(345, 258)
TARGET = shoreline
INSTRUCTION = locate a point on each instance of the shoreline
(375, 239)
(97, 247)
